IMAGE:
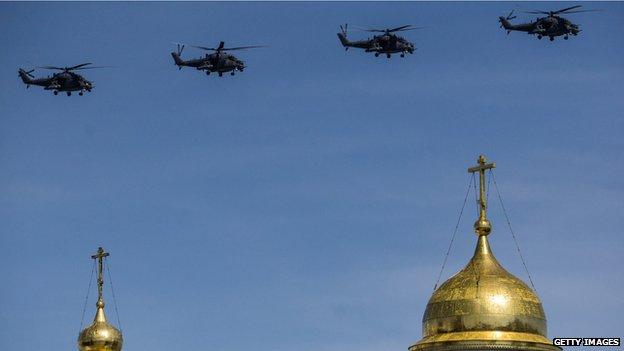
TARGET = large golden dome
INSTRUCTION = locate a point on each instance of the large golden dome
(100, 335)
(484, 307)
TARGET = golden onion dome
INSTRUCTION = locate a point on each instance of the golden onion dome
(484, 307)
(100, 335)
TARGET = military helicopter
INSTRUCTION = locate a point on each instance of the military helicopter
(66, 80)
(219, 61)
(387, 43)
(551, 26)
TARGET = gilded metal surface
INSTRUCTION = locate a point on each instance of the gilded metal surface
(100, 335)
(484, 307)
(485, 340)
(487, 335)
(483, 297)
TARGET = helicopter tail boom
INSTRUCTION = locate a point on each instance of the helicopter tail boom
(176, 58)
(343, 40)
(26, 76)
(505, 23)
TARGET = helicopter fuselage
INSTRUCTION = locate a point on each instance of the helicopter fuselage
(68, 81)
(551, 26)
(63, 81)
(391, 43)
(379, 44)
(219, 62)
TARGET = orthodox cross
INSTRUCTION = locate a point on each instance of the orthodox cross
(483, 225)
(99, 256)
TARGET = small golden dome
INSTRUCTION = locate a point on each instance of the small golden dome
(100, 335)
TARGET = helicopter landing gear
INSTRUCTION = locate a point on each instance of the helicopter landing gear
(220, 74)
(388, 55)
(552, 38)
(69, 93)
(232, 73)
(55, 92)
(402, 55)
(376, 54)
(81, 93)
(565, 38)
(207, 73)
(539, 37)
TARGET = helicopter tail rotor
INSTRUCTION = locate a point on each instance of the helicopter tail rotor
(343, 29)
(28, 73)
(504, 21)
(176, 55)
(342, 36)
(26, 76)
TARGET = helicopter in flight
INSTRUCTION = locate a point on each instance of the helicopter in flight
(219, 61)
(550, 26)
(386, 43)
(66, 80)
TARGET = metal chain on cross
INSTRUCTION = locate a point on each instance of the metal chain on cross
(84, 308)
(448, 251)
(488, 184)
(513, 235)
(110, 279)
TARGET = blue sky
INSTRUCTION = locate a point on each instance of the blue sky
(308, 202)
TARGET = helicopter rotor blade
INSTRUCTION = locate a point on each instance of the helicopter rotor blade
(92, 67)
(244, 47)
(579, 11)
(399, 28)
(568, 8)
(204, 48)
(391, 30)
(562, 11)
(407, 29)
(53, 67)
(78, 66)
(368, 29)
